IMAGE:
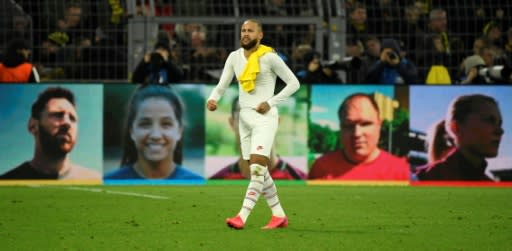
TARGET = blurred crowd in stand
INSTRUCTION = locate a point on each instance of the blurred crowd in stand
(387, 41)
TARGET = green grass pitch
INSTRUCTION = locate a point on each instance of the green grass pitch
(192, 218)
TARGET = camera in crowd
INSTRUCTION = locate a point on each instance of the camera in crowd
(346, 63)
(498, 74)
(392, 55)
(156, 61)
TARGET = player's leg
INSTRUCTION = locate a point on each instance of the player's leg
(279, 218)
(269, 190)
(262, 141)
(270, 194)
(257, 176)
(253, 190)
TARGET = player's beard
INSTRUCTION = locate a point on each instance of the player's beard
(251, 44)
(52, 145)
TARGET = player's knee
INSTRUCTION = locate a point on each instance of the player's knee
(259, 159)
(258, 170)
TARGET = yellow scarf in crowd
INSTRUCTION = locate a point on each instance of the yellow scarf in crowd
(252, 68)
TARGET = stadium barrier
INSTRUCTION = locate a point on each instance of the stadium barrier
(309, 127)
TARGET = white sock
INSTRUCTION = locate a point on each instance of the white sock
(270, 194)
(253, 190)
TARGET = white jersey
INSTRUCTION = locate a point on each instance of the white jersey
(271, 66)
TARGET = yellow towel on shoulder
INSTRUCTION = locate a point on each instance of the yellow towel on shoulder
(252, 68)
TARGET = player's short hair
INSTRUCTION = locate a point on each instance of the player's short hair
(256, 21)
(50, 93)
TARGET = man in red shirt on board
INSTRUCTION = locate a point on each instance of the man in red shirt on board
(359, 158)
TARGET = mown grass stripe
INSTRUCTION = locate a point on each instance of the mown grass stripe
(462, 183)
(153, 182)
(49, 182)
(246, 182)
(356, 183)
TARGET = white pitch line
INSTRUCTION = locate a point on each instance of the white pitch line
(138, 195)
(99, 190)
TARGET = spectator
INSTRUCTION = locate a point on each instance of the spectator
(508, 47)
(104, 59)
(373, 50)
(285, 37)
(106, 55)
(157, 67)
(357, 25)
(437, 47)
(73, 23)
(315, 72)
(13, 22)
(493, 32)
(488, 54)
(75, 26)
(15, 66)
(384, 16)
(298, 63)
(478, 44)
(357, 68)
(203, 57)
(411, 29)
(51, 58)
(472, 65)
(196, 53)
(391, 68)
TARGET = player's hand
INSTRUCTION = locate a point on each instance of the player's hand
(211, 105)
(263, 108)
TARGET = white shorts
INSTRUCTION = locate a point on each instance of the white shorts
(257, 131)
